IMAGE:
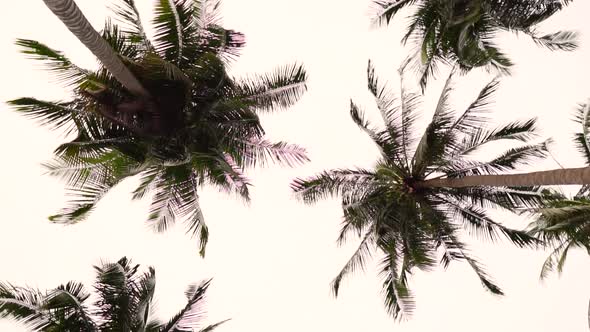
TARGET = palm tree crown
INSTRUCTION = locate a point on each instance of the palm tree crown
(124, 302)
(462, 31)
(198, 125)
(416, 226)
(564, 223)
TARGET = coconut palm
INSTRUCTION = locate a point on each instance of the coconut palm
(395, 212)
(463, 31)
(124, 302)
(564, 223)
(197, 125)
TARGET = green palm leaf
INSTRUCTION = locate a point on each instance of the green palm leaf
(54, 114)
(188, 318)
(128, 16)
(175, 30)
(66, 71)
(277, 90)
(23, 305)
(463, 32)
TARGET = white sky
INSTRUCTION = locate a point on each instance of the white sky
(272, 261)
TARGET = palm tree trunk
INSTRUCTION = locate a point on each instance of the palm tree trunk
(69, 13)
(565, 176)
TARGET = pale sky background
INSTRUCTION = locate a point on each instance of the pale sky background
(272, 261)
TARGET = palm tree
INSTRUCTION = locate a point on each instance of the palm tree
(198, 125)
(124, 302)
(462, 31)
(564, 223)
(419, 226)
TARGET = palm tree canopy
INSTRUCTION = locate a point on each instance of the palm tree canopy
(200, 125)
(564, 223)
(415, 227)
(124, 302)
(462, 31)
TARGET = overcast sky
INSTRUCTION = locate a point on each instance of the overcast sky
(272, 261)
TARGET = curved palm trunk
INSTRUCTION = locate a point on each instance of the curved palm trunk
(565, 176)
(69, 13)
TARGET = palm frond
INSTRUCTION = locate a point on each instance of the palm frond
(219, 170)
(523, 155)
(386, 101)
(234, 175)
(185, 202)
(333, 183)
(409, 103)
(23, 305)
(207, 13)
(277, 90)
(175, 32)
(214, 326)
(519, 130)
(212, 36)
(386, 10)
(83, 148)
(390, 148)
(146, 286)
(162, 207)
(476, 221)
(582, 139)
(65, 71)
(563, 220)
(399, 300)
(560, 40)
(428, 67)
(86, 198)
(474, 116)
(556, 259)
(146, 182)
(510, 199)
(260, 151)
(433, 144)
(357, 261)
(176, 197)
(117, 39)
(128, 16)
(75, 171)
(91, 179)
(523, 15)
(53, 114)
(190, 317)
(486, 281)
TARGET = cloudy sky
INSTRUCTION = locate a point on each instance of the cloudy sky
(272, 260)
